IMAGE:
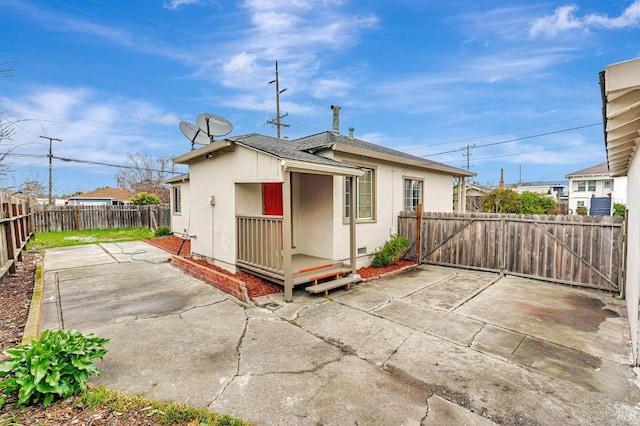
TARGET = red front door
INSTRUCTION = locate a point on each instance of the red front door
(272, 199)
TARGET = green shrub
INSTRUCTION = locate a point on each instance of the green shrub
(392, 251)
(619, 209)
(59, 363)
(162, 231)
(582, 210)
(145, 199)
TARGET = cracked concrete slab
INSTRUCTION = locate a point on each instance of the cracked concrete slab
(410, 314)
(469, 345)
(499, 390)
(346, 391)
(445, 413)
(176, 357)
(367, 336)
(589, 321)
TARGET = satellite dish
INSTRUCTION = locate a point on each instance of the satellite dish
(194, 134)
(214, 125)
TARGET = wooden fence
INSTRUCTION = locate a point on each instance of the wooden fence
(16, 227)
(74, 218)
(577, 250)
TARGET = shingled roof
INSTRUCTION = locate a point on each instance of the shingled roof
(598, 169)
(308, 149)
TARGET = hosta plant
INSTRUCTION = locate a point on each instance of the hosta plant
(58, 364)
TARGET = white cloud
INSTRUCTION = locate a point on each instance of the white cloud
(175, 4)
(565, 19)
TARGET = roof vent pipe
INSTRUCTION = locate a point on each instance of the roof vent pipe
(351, 129)
(336, 119)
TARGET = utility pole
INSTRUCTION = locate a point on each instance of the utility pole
(277, 121)
(50, 158)
(468, 154)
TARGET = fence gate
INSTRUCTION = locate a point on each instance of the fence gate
(577, 250)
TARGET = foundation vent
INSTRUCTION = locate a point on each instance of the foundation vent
(362, 250)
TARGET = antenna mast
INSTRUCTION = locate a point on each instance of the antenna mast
(277, 121)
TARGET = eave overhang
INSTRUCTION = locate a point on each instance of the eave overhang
(202, 152)
(621, 107)
(402, 160)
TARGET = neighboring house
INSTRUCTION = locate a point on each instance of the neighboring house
(595, 182)
(474, 194)
(620, 85)
(557, 190)
(102, 197)
(282, 208)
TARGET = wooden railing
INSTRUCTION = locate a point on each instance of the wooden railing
(260, 242)
(16, 228)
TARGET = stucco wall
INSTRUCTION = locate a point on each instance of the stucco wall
(389, 201)
(632, 281)
(215, 226)
(315, 230)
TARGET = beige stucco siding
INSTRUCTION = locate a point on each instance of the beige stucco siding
(632, 284)
(315, 219)
(216, 224)
(389, 201)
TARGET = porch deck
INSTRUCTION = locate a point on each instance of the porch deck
(305, 269)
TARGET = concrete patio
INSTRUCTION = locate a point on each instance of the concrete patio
(430, 346)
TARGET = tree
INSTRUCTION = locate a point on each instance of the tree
(509, 201)
(144, 199)
(145, 174)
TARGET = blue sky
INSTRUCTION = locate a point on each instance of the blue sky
(515, 81)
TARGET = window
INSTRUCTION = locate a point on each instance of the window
(581, 185)
(580, 203)
(364, 196)
(412, 194)
(608, 184)
(177, 199)
(592, 185)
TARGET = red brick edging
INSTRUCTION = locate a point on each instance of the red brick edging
(224, 282)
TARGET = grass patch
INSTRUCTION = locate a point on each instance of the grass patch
(100, 397)
(46, 240)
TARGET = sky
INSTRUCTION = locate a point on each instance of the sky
(509, 85)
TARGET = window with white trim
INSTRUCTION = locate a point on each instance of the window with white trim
(412, 194)
(582, 185)
(177, 199)
(364, 196)
(592, 185)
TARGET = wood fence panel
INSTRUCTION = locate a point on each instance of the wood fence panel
(16, 228)
(577, 250)
(74, 218)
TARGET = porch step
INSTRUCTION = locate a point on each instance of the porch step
(330, 285)
(321, 273)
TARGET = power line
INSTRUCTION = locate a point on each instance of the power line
(95, 163)
(516, 139)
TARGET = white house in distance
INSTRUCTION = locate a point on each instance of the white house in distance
(620, 86)
(282, 209)
(555, 189)
(595, 182)
(102, 197)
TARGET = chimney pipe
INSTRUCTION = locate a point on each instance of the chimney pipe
(351, 129)
(336, 119)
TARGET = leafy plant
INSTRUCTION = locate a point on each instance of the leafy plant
(582, 210)
(619, 209)
(392, 251)
(509, 201)
(144, 199)
(162, 231)
(59, 363)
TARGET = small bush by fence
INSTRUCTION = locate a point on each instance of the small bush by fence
(76, 218)
(16, 228)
